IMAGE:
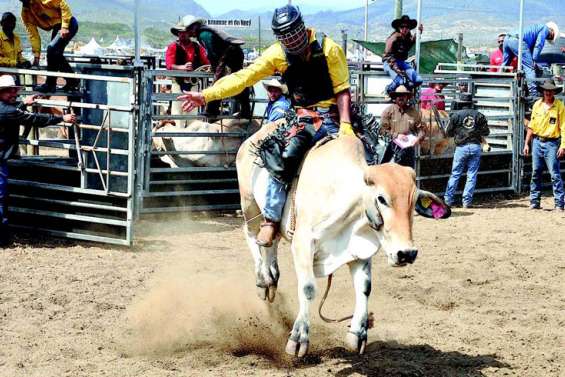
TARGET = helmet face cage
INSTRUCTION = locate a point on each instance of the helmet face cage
(294, 41)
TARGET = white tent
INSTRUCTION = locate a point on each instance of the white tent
(120, 47)
(91, 48)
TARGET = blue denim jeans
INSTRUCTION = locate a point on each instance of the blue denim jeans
(466, 158)
(276, 191)
(3, 193)
(397, 80)
(545, 153)
(509, 50)
(56, 61)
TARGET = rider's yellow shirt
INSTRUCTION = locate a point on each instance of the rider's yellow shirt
(44, 14)
(10, 51)
(274, 60)
(548, 122)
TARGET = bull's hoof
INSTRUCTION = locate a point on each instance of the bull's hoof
(271, 293)
(262, 293)
(296, 349)
(356, 343)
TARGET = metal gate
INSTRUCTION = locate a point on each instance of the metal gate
(80, 185)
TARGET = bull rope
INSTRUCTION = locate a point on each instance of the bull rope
(324, 318)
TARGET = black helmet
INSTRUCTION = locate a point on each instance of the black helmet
(289, 29)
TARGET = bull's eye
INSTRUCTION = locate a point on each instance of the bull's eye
(382, 200)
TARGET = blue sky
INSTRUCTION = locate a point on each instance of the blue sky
(216, 7)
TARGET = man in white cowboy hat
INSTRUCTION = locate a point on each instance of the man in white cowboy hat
(547, 130)
(225, 54)
(278, 102)
(468, 127)
(184, 54)
(397, 46)
(12, 116)
(533, 40)
(403, 123)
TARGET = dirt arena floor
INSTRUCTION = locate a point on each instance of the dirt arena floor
(484, 298)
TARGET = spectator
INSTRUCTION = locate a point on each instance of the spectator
(547, 129)
(278, 102)
(225, 54)
(402, 122)
(12, 115)
(468, 127)
(10, 44)
(397, 46)
(432, 96)
(54, 16)
(183, 54)
(533, 40)
(496, 57)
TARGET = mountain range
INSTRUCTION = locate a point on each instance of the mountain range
(479, 20)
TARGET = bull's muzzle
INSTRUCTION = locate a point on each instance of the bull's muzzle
(407, 256)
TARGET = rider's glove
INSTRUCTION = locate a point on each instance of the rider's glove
(346, 129)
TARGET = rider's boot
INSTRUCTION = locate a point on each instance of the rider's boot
(267, 233)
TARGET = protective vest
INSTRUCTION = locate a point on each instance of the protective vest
(401, 47)
(309, 82)
(181, 58)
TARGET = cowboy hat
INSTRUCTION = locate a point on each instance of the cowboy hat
(404, 20)
(7, 81)
(401, 90)
(553, 26)
(549, 84)
(275, 84)
(186, 22)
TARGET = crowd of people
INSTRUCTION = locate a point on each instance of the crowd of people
(314, 81)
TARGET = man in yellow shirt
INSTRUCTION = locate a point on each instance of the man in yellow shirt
(54, 16)
(315, 71)
(10, 44)
(547, 129)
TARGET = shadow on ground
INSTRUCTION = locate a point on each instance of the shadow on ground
(392, 359)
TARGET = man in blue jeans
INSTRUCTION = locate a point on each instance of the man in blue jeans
(397, 46)
(533, 41)
(54, 16)
(468, 127)
(547, 129)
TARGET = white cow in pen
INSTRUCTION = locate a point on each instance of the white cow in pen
(211, 151)
(344, 212)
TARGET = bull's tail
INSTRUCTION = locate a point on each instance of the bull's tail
(324, 318)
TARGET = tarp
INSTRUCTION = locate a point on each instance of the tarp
(91, 48)
(431, 52)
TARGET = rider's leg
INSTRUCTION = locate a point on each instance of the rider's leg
(397, 79)
(272, 212)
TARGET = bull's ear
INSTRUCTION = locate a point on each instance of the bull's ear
(431, 206)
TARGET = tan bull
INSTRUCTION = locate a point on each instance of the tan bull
(344, 212)
(436, 142)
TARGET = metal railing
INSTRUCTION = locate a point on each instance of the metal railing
(81, 185)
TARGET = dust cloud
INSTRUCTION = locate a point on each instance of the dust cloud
(184, 313)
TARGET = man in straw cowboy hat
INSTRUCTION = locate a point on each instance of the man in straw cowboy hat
(533, 41)
(468, 127)
(547, 130)
(315, 70)
(397, 46)
(225, 54)
(278, 102)
(12, 116)
(403, 123)
(184, 54)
